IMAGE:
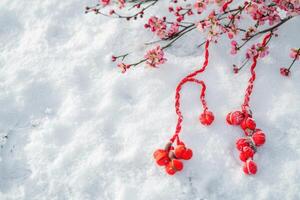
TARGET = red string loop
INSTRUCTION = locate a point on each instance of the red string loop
(190, 78)
(224, 7)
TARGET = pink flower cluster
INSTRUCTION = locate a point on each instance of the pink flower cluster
(257, 49)
(159, 27)
(261, 12)
(212, 25)
(179, 12)
(227, 20)
(155, 57)
(292, 7)
(173, 29)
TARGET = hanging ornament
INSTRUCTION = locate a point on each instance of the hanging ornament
(171, 157)
(253, 137)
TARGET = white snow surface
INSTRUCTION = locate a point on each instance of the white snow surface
(73, 127)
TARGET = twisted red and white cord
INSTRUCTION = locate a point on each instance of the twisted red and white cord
(245, 106)
(190, 78)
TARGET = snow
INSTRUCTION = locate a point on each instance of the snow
(73, 127)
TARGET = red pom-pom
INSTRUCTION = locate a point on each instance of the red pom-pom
(161, 157)
(177, 164)
(248, 123)
(241, 143)
(188, 154)
(235, 118)
(246, 153)
(259, 138)
(179, 151)
(174, 166)
(169, 169)
(250, 167)
(206, 118)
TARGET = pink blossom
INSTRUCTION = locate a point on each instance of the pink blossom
(173, 29)
(105, 2)
(234, 47)
(155, 57)
(157, 26)
(233, 31)
(262, 50)
(123, 67)
(235, 69)
(285, 71)
(257, 49)
(180, 18)
(200, 6)
(292, 7)
(121, 3)
(201, 26)
(251, 52)
(295, 53)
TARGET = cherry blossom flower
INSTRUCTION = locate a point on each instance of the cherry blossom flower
(121, 3)
(157, 25)
(251, 52)
(257, 49)
(123, 67)
(295, 53)
(285, 71)
(233, 31)
(105, 2)
(155, 57)
(292, 7)
(235, 69)
(262, 50)
(200, 6)
(201, 26)
(234, 47)
(173, 29)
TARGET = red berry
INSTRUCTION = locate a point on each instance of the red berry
(248, 123)
(250, 167)
(179, 151)
(161, 157)
(246, 153)
(259, 138)
(206, 118)
(188, 154)
(241, 143)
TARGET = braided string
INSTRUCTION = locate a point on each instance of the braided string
(245, 106)
(190, 78)
(224, 7)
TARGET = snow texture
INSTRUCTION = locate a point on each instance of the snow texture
(73, 127)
